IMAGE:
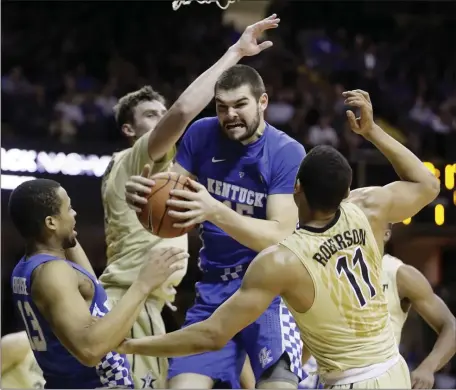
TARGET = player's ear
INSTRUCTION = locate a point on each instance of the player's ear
(263, 102)
(127, 130)
(347, 194)
(50, 223)
(297, 187)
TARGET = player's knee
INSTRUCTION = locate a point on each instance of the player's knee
(190, 381)
(278, 376)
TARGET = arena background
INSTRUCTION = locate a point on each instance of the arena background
(64, 64)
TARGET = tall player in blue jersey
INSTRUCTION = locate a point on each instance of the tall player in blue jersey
(246, 171)
(71, 331)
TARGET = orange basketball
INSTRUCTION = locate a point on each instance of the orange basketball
(154, 216)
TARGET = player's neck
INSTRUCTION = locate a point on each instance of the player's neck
(257, 135)
(317, 219)
(48, 248)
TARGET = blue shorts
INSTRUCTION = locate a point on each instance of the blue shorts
(265, 340)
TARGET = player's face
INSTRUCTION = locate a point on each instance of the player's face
(147, 115)
(239, 113)
(65, 222)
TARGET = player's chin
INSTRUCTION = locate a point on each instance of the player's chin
(236, 134)
(71, 240)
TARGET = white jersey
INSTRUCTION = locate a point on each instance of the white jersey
(390, 266)
(24, 375)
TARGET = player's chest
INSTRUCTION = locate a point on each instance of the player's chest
(241, 182)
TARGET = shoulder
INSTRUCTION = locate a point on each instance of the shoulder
(273, 263)
(52, 275)
(203, 126)
(368, 200)
(411, 283)
(391, 264)
(280, 141)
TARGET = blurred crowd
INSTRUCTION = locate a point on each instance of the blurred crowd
(65, 66)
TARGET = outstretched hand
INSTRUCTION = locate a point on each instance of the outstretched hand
(360, 99)
(248, 45)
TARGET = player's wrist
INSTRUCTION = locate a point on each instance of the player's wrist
(428, 365)
(373, 132)
(235, 51)
(142, 288)
(215, 209)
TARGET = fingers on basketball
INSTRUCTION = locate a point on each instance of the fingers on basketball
(146, 171)
(160, 222)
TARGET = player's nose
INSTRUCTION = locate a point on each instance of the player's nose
(232, 113)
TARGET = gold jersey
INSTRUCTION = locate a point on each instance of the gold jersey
(398, 316)
(24, 375)
(348, 325)
(126, 239)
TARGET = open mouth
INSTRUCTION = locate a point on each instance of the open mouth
(233, 126)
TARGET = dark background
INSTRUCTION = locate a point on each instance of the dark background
(64, 65)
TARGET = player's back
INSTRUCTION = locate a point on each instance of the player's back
(24, 375)
(347, 326)
(398, 316)
(60, 368)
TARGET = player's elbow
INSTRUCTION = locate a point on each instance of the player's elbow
(90, 352)
(88, 356)
(182, 109)
(431, 188)
(450, 324)
(216, 339)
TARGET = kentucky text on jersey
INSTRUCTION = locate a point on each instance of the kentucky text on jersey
(235, 193)
(339, 241)
(243, 177)
(20, 286)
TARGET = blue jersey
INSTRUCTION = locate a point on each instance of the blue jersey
(60, 369)
(241, 176)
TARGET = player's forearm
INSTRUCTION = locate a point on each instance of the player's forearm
(106, 333)
(405, 163)
(256, 234)
(188, 105)
(444, 348)
(191, 340)
(78, 256)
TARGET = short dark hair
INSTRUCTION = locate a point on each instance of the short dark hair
(30, 203)
(239, 75)
(124, 109)
(325, 176)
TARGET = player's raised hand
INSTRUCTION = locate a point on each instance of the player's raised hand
(160, 265)
(248, 45)
(199, 205)
(359, 99)
(138, 188)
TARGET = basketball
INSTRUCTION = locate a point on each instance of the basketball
(154, 216)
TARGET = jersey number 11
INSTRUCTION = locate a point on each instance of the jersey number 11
(342, 266)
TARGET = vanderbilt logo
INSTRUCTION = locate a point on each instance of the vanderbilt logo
(385, 287)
